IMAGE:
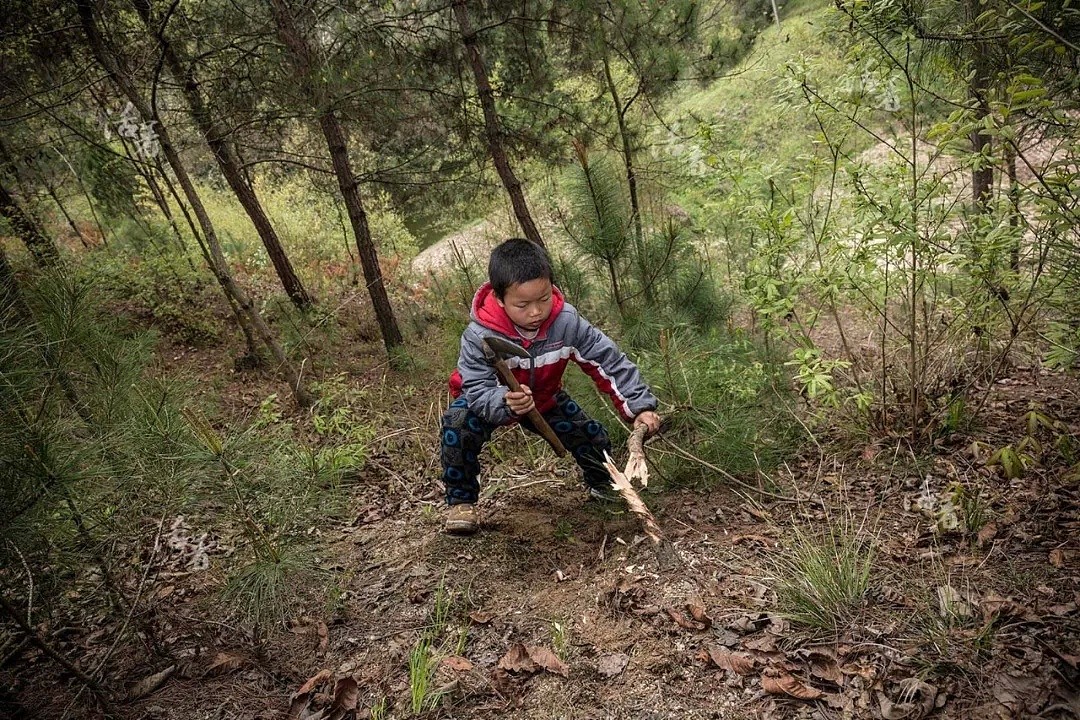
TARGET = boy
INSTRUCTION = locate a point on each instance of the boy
(519, 303)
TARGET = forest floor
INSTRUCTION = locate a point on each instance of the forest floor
(558, 608)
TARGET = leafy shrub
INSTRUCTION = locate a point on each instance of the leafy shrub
(730, 405)
(146, 273)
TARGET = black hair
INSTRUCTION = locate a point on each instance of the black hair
(517, 260)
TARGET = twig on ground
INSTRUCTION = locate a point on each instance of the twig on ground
(29, 582)
(676, 450)
(88, 682)
(545, 481)
(19, 647)
(135, 602)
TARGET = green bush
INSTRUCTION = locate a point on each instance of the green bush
(730, 405)
(100, 457)
(147, 274)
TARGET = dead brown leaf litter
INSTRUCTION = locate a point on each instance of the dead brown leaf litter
(959, 622)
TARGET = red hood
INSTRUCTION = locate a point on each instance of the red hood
(487, 311)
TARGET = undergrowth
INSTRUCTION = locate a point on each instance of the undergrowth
(822, 579)
(102, 458)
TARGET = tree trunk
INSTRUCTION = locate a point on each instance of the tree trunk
(218, 264)
(492, 129)
(304, 58)
(369, 259)
(982, 175)
(224, 154)
(1014, 202)
(42, 248)
(631, 181)
(63, 211)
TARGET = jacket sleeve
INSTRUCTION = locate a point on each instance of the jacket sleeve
(479, 384)
(611, 370)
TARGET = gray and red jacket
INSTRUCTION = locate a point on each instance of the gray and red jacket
(564, 336)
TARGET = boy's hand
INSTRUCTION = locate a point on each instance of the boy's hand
(650, 420)
(520, 402)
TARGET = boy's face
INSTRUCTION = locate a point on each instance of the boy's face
(527, 304)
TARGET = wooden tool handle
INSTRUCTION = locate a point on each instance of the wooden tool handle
(534, 415)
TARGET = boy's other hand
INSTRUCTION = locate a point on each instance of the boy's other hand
(650, 420)
(520, 402)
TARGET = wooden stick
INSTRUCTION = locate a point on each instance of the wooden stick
(666, 556)
(534, 416)
(636, 469)
(621, 482)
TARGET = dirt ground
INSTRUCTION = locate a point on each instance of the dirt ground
(558, 608)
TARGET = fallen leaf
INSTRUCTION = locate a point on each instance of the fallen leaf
(547, 660)
(457, 663)
(1072, 660)
(224, 663)
(739, 663)
(750, 539)
(987, 533)
(346, 698)
(530, 659)
(324, 639)
(517, 659)
(682, 621)
(743, 624)
(150, 683)
(1017, 693)
(313, 682)
(1062, 610)
(867, 672)
(993, 605)
(697, 611)
(777, 682)
(765, 643)
(298, 706)
(480, 617)
(611, 665)
(916, 699)
(725, 637)
(823, 665)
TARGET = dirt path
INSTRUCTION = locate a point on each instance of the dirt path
(472, 245)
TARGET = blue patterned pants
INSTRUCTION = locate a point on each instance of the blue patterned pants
(464, 434)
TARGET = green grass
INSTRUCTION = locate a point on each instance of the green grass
(753, 105)
(263, 591)
(423, 664)
(822, 581)
(428, 651)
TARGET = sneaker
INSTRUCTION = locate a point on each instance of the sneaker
(462, 519)
(604, 495)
